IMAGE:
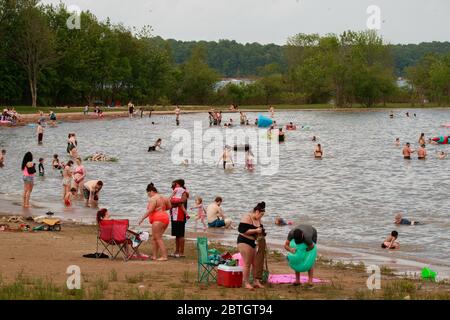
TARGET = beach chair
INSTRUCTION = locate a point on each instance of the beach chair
(206, 270)
(115, 234)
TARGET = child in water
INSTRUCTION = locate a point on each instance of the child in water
(390, 242)
(69, 197)
(400, 220)
(201, 214)
(55, 162)
(249, 159)
(41, 167)
(281, 222)
(442, 155)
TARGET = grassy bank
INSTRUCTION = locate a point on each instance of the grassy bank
(31, 110)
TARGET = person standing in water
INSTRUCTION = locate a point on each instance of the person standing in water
(177, 115)
(272, 112)
(318, 152)
(40, 133)
(130, 109)
(421, 152)
(78, 176)
(67, 178)
(407, 151)
(28, 171)
(226, 157)
(422, 139)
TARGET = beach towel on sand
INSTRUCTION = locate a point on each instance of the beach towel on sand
(290, 278)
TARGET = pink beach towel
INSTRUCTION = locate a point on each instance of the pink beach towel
(290, 278)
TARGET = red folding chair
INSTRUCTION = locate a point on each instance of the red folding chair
(113, 233)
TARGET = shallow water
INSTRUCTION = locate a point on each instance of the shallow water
(350, 196)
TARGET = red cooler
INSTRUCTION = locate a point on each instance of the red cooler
(230, 277)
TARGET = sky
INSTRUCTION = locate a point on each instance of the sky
(274, 21)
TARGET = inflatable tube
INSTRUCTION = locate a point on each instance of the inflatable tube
(441, 139)
(301, 260)
(264, 122)
(447, 125)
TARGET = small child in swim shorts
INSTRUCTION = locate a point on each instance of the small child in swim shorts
(400, 220)
(41, 167)
(69, 197)
(201, 214)
(390, 242)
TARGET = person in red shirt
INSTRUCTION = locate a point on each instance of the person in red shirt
(178, 218)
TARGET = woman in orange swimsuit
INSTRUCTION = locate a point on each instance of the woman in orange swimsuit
(159, 219)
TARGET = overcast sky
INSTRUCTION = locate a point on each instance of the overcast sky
(273, 21)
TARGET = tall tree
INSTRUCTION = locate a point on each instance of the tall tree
(34, 45)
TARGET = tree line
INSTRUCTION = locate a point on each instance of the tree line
(43, 62)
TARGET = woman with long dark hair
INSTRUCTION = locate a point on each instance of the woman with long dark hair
(28, 171)
(250, 228)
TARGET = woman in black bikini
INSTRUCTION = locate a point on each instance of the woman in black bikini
(249, 229)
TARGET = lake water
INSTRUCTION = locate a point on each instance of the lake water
(351, 196)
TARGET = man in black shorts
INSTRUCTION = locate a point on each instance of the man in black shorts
(303, 233)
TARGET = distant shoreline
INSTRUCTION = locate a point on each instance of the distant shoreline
(77, 116)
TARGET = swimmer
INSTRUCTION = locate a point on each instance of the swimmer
(391, 115)
(291, 126)
(156, 146)
(407, 114)
(431, 141)
(400, 220)
(318, 152)
(314, 139)
(177, 114)
(281, 222)
(185, 162)
(397, 142)
(69, 197)
(442, 155)
(390, 242)
(2, 158)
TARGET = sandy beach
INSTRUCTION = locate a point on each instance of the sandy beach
(33, 266)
